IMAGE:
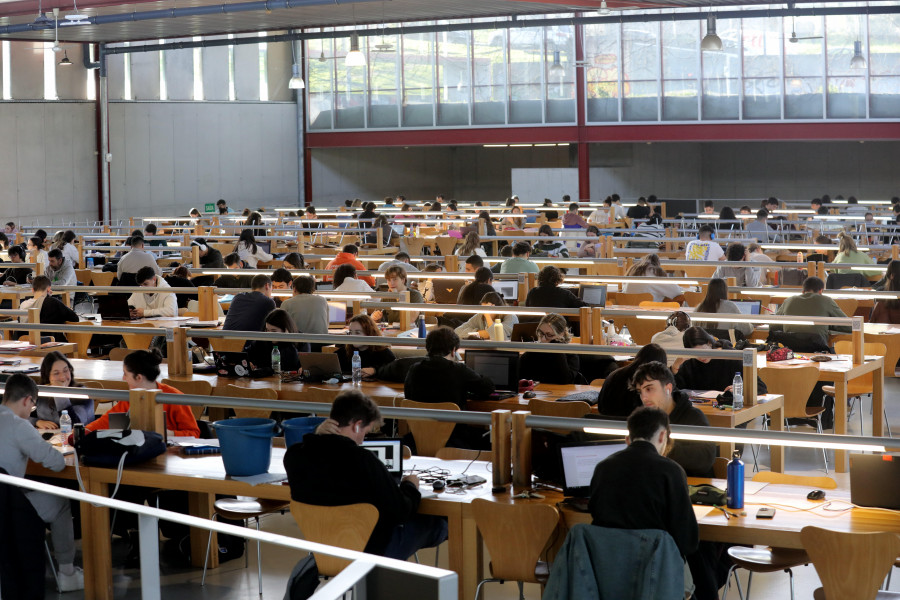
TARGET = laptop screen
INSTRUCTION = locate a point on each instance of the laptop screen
(498, 366)
(508, 289)
(337, 313)
(595, 295)
(578, 462)
(748, 307)
(389, 452)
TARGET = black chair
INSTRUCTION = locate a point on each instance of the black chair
(127, 279)
(22, 539)
(836, 281)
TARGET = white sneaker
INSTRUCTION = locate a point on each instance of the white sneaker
(73, 582)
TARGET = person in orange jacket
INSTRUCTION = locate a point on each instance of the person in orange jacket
(348, 255)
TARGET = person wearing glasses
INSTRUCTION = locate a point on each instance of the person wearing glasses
(19, 443)
(56, 370)
(552, 367)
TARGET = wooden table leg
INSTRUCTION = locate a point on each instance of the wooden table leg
(455, 548)
(776, 453)
(473, 560)
(840, 421)
(201, 505)
(877, 401)
(96, 547)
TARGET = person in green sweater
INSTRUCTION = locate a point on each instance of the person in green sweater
(848, 253)
(811, 303)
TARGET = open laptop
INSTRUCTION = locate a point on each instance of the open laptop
(319, 366)
(875, 480)
(592, 295)
(748, 307)
(508, 289)
(113, 307)
(236, 364)
(337, 313)
(446, 291)
(390, 452)
(500, 367)
(524, 332)
(120, 420)
(577, 462)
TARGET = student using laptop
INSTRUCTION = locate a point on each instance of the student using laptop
(552, 367)
(157, 304)
(308, 311)
(372, 355)
(259, 352)
(56, 370)
(331, 468)
(716, 301)
(396, 280)
(548, 292)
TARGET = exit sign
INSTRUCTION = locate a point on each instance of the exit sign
(209, 207)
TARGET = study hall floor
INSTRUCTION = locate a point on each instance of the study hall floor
(233, 582)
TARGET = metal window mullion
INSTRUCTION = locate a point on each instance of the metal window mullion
(545, 92)
(824, 47)
(700, 25)
(401, 80)
(740, 77)
(334, 85)
(435, 87)
(507, 60)
(621, 70)
(367, 84)
(470, 51)
(783, 50)
(659, 75)
(867, 75)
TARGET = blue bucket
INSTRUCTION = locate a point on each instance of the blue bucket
(296, 428)
(246, 445)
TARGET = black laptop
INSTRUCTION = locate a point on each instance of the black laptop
(875, 480)
(446, 291)
(236, 364)
(499, 366)
(592, 295)
(390, 452)
(114, 307)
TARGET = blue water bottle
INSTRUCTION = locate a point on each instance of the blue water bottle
(422, 332)
(734, 491)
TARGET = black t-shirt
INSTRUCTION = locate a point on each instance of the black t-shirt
(552, 296)
(248, 312)
(371, 358)
(472, 293)
(436, 379)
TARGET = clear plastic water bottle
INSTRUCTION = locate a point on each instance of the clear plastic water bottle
(734, 489)
(626, 335)
(356, 368)
(65, 423)
(737, 391)
(276, 359)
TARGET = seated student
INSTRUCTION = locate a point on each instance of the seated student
(140, 369)
(181, 278)
(506, 253)
(259, 352)
(671, 337)
(281, 279)
(744, 276)
(158, 304)
(210, 258)
(401, 259)
(811, 303)
(479, 326)
(345, 280)
(471, 245)
(15, 275)
(348, 256)
(590, 248)
(134, 260)
(548, 292)
(150, 231)
(548, 244)
(60, 270)
(331, 469)
(703, 248)
(640, 488)
(472, 264)
(396, 280)
(849, 253)
(249, 309)
(457, 382)
(249, 250)
(552, 367)
(294, 260)
(56, 370)
(36, 252)
(706, 373)
(53, 310)
(234, 263)
(428, 284)
(572, 219)
(308, 311)
(716, 301)
(519, 262)
(661, 292)
(471, 293)
(372, 356)
(617, 398)
(888, 311)
(19, 443)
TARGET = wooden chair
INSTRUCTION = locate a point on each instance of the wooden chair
(346, 527)
(863, 385)
(651, 304)
(720, 468)
(101, 278)
(701, 270)
(81, 340)
(138, 341)
(597, 382)
(414, 245)
(642, 330)
(447, 453)
(199, 387)
(236, 391)
(430, 436)
(227, 344)
(549, 408)
(694, 298)
(851, 566)
(770, 560)
(119, 353)
(848, 305)
(795, 384)
(515, 536)
(445, 244)
(623, 299)
(96, 385)
(83, 276)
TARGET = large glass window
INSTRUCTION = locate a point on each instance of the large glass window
(640, 71)
(320, 79)
(601, 71)
(418, 80)
(846, 83)
(489, 76)
(384, 79)
(722, 74)
(350, 87)
(526, 66)
(560, 74)
(454, 80)
(883, 59)
(803, 67)
(761, 39)
(681, 70)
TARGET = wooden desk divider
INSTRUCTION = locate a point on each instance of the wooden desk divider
(811, 269)
(821, 273)
(500, 443)
(145, 412)
(596, 326)
(195, 256)
(521, 450)
(750, 376)
(405, 316)
(451, 263)
(732, 282)
(895, 252)
(179, 357)
(208, 301)
(858, 340)
(586, 328)
(531, 282)
(82, 262)
(34, 316)
(357, 307)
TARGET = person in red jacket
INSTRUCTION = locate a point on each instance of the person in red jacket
(140, 370)
(348, 255)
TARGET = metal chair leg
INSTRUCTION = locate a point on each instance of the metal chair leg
(53, 565)
(258, 560)
(437, 554)
(749, 581)
(521, 590)
(246, 546)
(819, 430)
(206, 558)
(478, 589)
(887, 423)
(791, 577)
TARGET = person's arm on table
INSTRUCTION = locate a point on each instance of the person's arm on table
(180, 420)
(33, 445)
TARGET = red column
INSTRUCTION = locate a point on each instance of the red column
(584, 173)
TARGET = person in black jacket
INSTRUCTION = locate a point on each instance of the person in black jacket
(551, 367)
(181, 278)
(53, 311)
(15, 275)
(707, 373)
(617, 398)
(372, 356)
(248, 310)
(548, 293)
(259, 352)
(472, 293)
(234, 263)
(440, 378)
(330, 468)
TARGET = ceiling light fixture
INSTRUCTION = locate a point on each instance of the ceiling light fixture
(603, 10)
(858, 61)
(556, 69)
(711, 41)
(296, 82)
(355, 58)
(65, 62)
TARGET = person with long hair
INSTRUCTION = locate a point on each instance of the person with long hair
(552, 367)
(513, 222)
(254, 221)
(345, 280)
(716, 301)
(888, 311)
(249, 251)
(140, 370)
(549, 244)
(56, 370)
(850, 254)
(471, 245)
(294, 260)
(661, 292)
(708, 373)
(479, 326)
(428, 285)
(373, 356)
(590, 248)
(743, 276)
(617, 398)
(259, 352)
(549, 293)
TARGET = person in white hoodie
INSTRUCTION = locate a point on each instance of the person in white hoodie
(670, 338)
(249, 251)
(159, 304)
